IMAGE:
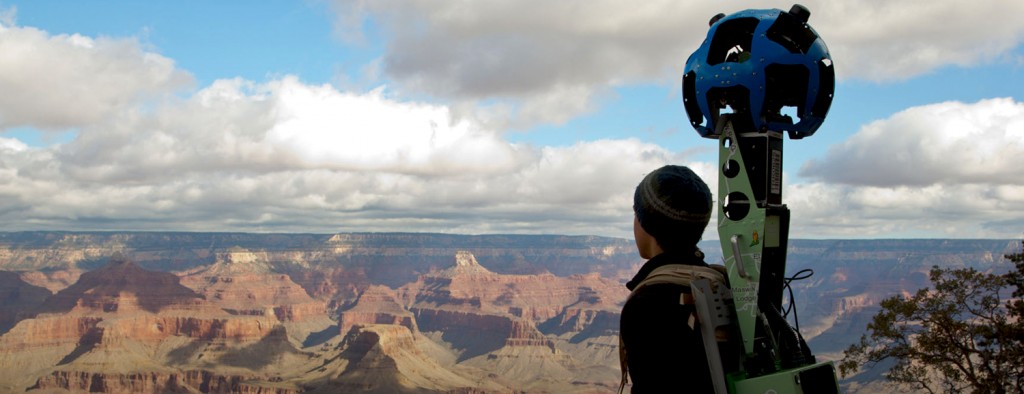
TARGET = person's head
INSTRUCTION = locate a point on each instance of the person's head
(673, 206)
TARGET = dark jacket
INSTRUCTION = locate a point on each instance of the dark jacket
(664, 355)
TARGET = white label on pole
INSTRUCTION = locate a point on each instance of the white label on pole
(776, 172)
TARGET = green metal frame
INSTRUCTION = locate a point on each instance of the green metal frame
(753, 227)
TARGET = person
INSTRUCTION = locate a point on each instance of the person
(661, 348)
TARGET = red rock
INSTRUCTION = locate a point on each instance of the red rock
(243, 283)
(376, 305)
(223, 332)
(102, 290)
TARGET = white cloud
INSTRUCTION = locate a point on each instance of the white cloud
(821, 210)
(944, 143)
(895, 40)
(536, 53)
(942, 170)
(288, 156)
(325, 127)
(285, 155)
(286, 125)
(66, 81)
(584, 189)
(10, 144)
(553, 59)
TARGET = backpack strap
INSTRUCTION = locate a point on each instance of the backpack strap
(682, 274)
(679, 274)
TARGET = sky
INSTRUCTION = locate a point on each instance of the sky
(486, 117)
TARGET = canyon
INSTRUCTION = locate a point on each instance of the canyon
(152, 312)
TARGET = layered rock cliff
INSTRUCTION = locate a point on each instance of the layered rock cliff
(393, 359)
(391, 259)
(121, 328)
(243, 282)
(218, 312)
(456, 329)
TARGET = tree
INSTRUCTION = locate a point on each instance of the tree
(1016, 279)
(961, 335)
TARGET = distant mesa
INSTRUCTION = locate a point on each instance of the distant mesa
(243, 282)
(376, 305)
(237, 260)
(465, 264)
(119, 284)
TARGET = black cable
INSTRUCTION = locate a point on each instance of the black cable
(800, 275)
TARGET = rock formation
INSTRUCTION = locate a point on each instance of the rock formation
(393, 359)
(17, 298)
(121, 328)
(122, 286)
(491, 320)
(376, 305)
(290, 313)
(244, 283)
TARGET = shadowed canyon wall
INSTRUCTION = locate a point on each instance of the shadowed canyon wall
(290, 313)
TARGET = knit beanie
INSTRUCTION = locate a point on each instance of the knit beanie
(674, 206)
